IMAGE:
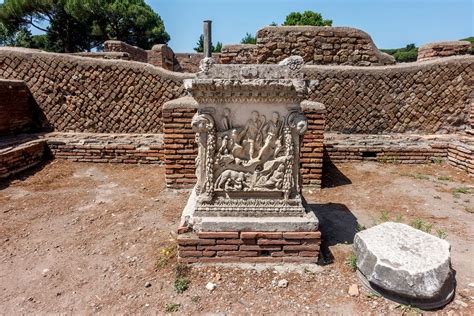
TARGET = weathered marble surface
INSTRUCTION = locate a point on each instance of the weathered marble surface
(405, 264)
(249, 127)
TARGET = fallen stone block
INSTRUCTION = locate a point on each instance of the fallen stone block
(405, 265)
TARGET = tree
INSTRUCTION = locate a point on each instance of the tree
(248, 39)
(200, 46)
(406, 54)
(77, 25)
(307, 18)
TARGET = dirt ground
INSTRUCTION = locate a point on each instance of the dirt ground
(86, 238)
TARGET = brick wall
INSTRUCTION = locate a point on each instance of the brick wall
(239, 54)
(180, 148)
(135, 53)
(443, 49)
(18, 158)
(189, 62)
(78, 94)
(106, 148)
(16, 110)
(317, 45)
(429, 97)
(163, 56)
(313, 144)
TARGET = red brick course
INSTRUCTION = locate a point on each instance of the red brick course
(299, 247)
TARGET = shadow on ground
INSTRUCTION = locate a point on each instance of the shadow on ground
(25, 174)
(337, 225)
(332, 176)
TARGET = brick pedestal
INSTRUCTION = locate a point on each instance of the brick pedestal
(249, 247)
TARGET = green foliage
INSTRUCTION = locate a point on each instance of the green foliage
(200, 46)
(441, 233)
(248, 39)
(351, 262)
(78, 25)
(180, 284)
(403, 55)
(418, 223)
(172, 307)
(306, 18)
(360, 227)
(471, 40)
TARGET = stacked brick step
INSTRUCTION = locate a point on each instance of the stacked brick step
(249, 247)
(21, 157)
(461, 155)
(107, 148)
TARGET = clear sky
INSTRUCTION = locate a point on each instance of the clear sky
(391, 23)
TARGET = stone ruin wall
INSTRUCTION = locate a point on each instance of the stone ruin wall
(16, 108)
(79, 94)
(109, 96)
(443, 49)
(431, 97)
(317, 45)
(135, 53)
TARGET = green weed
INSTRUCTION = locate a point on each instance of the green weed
(172, 307)
(351, 262)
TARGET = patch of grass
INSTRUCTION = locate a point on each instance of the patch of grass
(418, 223)
(180, 284)
(360, 227)
(372, 295)
(351, 262)
(384, 217)
(444, 178)
(469, 210)
(166, 255)
(418, 176)
(195, 299)
(308, 272)
(172, 307)
(441, 233)
(398, 218)
(437, 160)
(462, 190)
(409, 310)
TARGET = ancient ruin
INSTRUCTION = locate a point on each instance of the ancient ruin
(249, 129)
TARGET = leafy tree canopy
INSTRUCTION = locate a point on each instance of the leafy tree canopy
(77, 25)
(248, 39)
(406, 54)
(306, 18)
(200, 46)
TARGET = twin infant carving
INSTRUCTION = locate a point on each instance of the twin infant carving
(257, 157)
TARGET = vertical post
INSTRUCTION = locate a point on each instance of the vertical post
(207, 38)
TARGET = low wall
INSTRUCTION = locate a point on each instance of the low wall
(239, 54)
(163, 56)
(443, 49)
(135, 53)
(16, 110)
(189, 62)
(107, 148)
(18, 158)
(429, 97)
(318, 45)
(78, 94)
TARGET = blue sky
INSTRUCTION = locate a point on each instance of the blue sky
(391, 23)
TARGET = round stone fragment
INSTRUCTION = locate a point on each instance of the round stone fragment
(405, 265)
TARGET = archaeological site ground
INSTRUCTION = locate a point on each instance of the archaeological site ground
(258, 180)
